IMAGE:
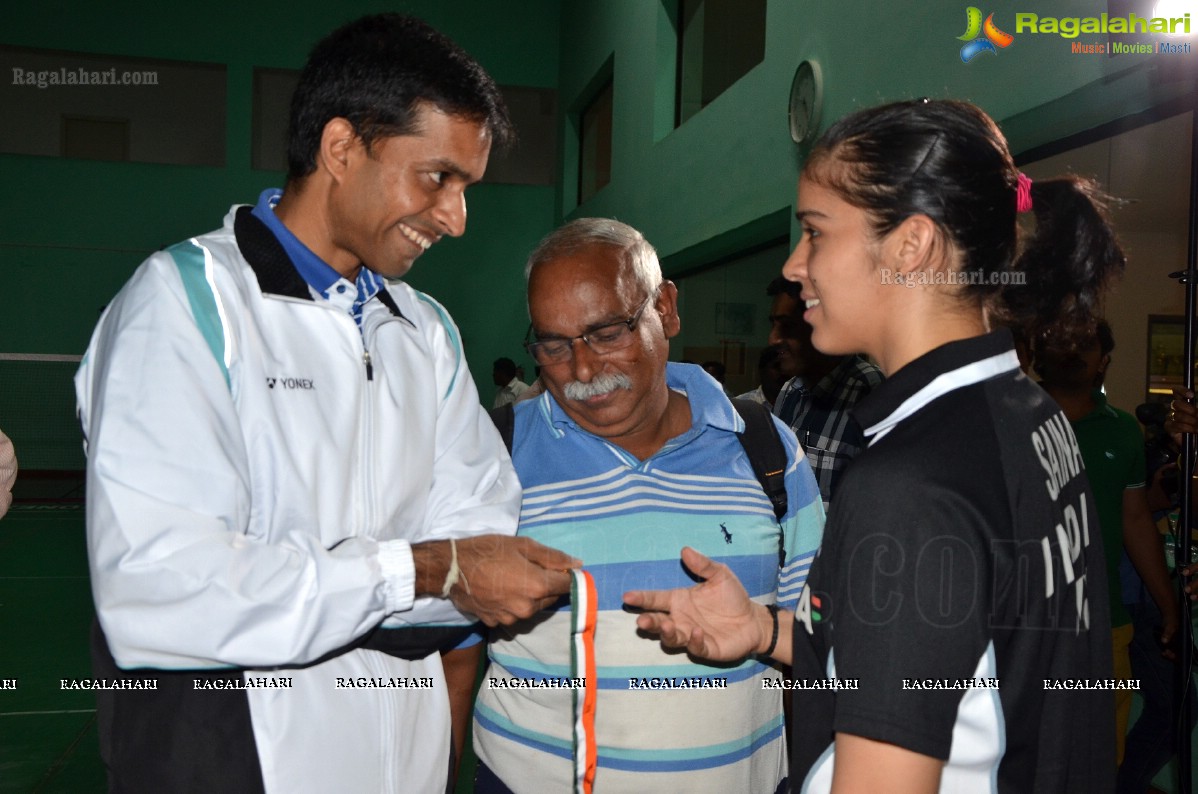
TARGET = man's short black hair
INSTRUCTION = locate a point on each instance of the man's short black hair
(784, 286)
(375, 72)
(504, 366)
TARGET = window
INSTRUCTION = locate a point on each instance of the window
(594, 141)
(109, 107)
(719, 41)
(95, 139)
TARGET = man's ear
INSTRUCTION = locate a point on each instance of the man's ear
(915, 244)
(667, 308)
(338, 146)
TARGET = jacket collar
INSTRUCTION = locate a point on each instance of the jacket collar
(273, 268)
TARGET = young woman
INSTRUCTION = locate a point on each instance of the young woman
(955, 623)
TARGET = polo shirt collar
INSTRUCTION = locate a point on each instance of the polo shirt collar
(318, 274)
(1102, 410)
(947, 368)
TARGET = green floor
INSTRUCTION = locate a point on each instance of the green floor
(47, 735)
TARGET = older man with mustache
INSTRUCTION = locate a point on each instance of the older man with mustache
(625, 459)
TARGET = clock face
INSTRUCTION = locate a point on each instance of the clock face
(806, 96)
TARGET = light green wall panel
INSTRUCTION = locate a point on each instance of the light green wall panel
(733, 164)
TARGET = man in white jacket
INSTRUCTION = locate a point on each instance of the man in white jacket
(294, 498)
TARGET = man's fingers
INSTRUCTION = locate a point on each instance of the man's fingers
(557, 583)
(651, 600)
(648, 622)
(547, 557)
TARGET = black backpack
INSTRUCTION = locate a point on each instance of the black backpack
(761, 441)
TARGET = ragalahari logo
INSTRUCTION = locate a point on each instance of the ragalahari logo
(990, 37)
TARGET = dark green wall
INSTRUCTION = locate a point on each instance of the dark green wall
(720, 184)
(720, 180)
(88, 224)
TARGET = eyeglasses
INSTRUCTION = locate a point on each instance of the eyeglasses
(602, 340)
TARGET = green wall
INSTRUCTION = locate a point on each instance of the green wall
(713, 183)
(721, 183)
(88, 224)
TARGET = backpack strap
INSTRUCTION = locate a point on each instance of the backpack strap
(504, 418)
(766, 452)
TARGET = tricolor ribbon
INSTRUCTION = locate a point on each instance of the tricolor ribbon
(584, 611)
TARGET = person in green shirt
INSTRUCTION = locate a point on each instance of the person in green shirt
(1112, 448)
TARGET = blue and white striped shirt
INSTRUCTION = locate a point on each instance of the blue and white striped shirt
(628, 519)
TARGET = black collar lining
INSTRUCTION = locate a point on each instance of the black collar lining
(273, 268)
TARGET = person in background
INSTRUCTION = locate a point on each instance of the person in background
(8, 472)
(1072, 371)
(955, 553)
(624, 458)
(294, 498)
(508, 386)
(769, 371)
(817, 402)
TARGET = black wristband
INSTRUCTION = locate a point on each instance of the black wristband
(773, 608)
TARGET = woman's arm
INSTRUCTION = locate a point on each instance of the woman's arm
(865, 766)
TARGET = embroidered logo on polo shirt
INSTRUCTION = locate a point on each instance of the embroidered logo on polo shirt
(727, 534)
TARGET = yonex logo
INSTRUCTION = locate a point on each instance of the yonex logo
(981, 36)
(290, 383)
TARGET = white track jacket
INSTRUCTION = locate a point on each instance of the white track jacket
(257, 469)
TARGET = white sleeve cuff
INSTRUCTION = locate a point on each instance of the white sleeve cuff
(399, 574)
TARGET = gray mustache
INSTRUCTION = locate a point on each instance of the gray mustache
(602, 383)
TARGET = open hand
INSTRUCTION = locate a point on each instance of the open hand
(713, 620)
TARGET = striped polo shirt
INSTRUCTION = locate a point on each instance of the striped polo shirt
(663, 722)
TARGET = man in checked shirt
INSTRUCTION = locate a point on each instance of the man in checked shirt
(816, 402)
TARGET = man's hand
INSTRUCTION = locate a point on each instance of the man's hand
(713, 620)
(505, 579)
(1183, 414)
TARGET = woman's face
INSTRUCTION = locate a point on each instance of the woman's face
(837, 262)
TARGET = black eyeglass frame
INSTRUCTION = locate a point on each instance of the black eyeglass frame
(533, 345)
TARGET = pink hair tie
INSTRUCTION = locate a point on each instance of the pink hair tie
(1023, 194)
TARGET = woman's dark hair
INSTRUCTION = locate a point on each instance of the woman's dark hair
(948, 160)
(375, 72)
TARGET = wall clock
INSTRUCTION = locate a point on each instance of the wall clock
(806, 98)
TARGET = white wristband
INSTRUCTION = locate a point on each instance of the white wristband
(454, 573)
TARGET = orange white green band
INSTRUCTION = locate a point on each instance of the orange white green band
(583, 615)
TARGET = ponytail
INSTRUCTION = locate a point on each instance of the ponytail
(948, 160)
(1066, 264)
